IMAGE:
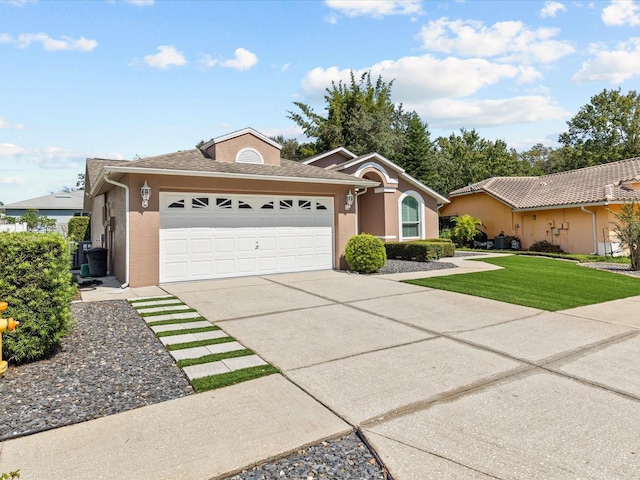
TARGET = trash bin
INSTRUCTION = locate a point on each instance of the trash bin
(79, 256)
(500, 242)
(98, 261)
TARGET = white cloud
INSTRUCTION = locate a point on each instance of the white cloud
(207, 61)
(551, 9)
(613, 66)
(12, 180)
(331, 18)
(243, 60)
(449, 113)
(510, 41)
(166, 57)
(17, 3)
(621, 12)
(141, 3)
(24, 40)
(375, 8)
(5, 124)
(425, 77)
(47, 157)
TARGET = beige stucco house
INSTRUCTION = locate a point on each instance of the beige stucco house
(570, 209)
(235, 208)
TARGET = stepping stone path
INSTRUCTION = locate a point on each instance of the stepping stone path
(178, 325)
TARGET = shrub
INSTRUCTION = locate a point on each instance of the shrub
(78, 229)
(36, 283)
(465, 228)
(421, 250)
(365, 253)
(544, 246)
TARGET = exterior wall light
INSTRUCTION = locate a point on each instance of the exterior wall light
(350, 199)
(145, 193)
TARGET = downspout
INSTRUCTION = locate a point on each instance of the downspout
(595, 233)
(126, 227)
(358, 193)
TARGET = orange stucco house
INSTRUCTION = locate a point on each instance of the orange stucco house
(570, 209)
(235, 208)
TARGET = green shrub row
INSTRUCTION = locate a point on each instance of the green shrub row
(420, 250)
(78, 229)
(36, 283)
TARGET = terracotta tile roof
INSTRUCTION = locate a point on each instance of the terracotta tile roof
(196, 160)
(597, 184)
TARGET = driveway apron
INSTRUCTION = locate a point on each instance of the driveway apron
(444, 385)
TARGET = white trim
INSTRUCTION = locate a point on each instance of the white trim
(369, 156)
(422, 226)
(253, 150)
(422, 186)
(387, 237)
(385, 190)
(378, 167)
(238, 133)
(326, 154)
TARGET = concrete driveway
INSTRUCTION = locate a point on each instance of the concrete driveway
(445, 385)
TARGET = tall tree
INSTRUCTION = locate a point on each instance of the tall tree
(360, 117)
(605, 130)
(417, 153)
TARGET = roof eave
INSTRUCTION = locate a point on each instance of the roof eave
(566, 205)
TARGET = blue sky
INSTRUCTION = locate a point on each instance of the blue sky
(119, 79)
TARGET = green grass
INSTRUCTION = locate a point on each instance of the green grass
(539, 283)
(199, 343)
(177, 320)
(155, 299)
(225, 379)
(214, 357)
(166, 312)
(170, 333)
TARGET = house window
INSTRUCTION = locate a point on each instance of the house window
(223, 203)
(320, 206)
(410, 218)
(200, 202)
(267, 206)
(178, 204)
(249, 155)
(244, 205)
(286, 204)
(304, 204)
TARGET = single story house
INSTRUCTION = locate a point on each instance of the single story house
(570, 209)
(60, 206)
(233, 207)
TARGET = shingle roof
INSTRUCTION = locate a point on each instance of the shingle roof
(196, 160)
(54, 201)
(94, 167)
(597, 184)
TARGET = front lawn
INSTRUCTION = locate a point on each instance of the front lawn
(539, 283)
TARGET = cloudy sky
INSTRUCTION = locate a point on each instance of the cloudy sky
(120, 79)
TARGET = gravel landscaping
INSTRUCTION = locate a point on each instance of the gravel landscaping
(346, 458)
(111, 362)
(401, 266)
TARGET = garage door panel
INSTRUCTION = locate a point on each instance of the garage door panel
(216, 235)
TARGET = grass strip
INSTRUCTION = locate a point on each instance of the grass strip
(165, 312)
(225, 379)
(199, 343)
(154, 299)
(170, 333)
(538, 282)
(214, 357)
(176, 321)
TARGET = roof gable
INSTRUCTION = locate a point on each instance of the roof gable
(243, 146)
(55, 201)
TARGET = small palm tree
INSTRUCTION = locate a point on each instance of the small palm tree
(466, 228)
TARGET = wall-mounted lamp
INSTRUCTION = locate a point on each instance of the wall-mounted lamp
(145, 193)
(349, 199)
(533, 217)
(516, 226)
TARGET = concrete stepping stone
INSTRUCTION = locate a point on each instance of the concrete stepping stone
(150, 298)
(180, 326)
(197, 352)
(192, 337)
(172, 316)
(238, 363)
(163, 309)
(156, 303)
(205, 370)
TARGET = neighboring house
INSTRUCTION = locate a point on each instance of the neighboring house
(233, 207)
(60, 205)
(569, 209)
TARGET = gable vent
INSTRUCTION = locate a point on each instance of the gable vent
(249, 155)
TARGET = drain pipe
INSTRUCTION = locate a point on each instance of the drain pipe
(593, 223)
(126, 227)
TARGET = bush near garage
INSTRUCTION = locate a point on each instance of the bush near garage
(78, 229)
(36, 283)
(421, 250)
(365, 253)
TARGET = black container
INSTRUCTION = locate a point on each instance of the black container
(500, 242)
(98, 261)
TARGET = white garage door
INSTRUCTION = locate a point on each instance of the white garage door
(206, 236)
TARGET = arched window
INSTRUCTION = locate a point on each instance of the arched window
(410, 218)
(249, 155)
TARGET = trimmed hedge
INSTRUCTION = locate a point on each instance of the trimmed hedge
(78, 229)
(421, 250)
(36, 283)
(365, 253)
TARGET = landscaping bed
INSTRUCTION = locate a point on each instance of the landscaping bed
(111, 362)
